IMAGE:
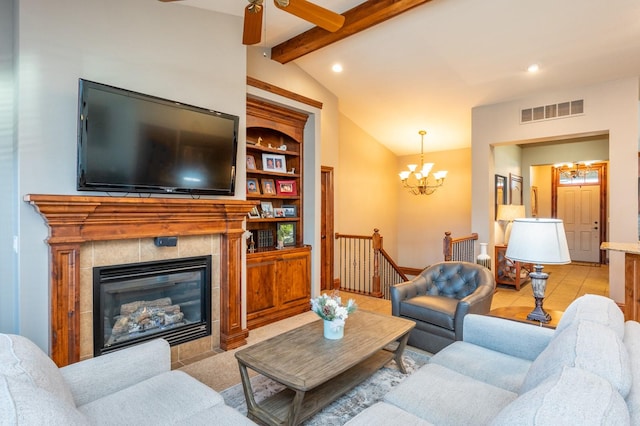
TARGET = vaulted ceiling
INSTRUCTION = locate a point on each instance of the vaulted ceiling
(428, 66)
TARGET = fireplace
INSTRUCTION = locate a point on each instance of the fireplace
(142, 301)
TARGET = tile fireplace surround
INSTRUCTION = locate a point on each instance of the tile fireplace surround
(82, 229)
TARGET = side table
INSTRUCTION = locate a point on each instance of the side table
(509, 272)
(519, 313)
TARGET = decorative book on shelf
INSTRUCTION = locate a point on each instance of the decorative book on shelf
(265, 238)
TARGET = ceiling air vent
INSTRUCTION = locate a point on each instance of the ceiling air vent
(549, 112)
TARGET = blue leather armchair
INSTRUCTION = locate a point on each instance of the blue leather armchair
(439, 298)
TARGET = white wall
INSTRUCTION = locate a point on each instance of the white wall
(163, 49)
(8, 317)
(609, 107)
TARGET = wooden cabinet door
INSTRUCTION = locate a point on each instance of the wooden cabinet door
(293, 279)
(261, 287)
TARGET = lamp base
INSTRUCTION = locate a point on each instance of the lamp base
(539, 314)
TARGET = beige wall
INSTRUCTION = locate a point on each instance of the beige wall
(368, 186)
(423, 219)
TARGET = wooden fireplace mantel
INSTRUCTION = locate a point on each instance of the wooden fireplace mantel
(73, 220)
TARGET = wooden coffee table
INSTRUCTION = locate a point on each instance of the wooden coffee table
(315, 370)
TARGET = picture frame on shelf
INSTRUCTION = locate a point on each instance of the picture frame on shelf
(267, 209)
(251, 162)
(274, 163)
(278, 212)
(286, 187)
(252, 186)
(290, 210)
(254, 213)
(288, 232)
(268, 187)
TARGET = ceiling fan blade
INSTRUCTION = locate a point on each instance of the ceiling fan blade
(324, 18)
(252, 25)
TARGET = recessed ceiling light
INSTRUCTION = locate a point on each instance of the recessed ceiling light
(533, 68)
(336, 68)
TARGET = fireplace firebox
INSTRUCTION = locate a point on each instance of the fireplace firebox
(136, 302)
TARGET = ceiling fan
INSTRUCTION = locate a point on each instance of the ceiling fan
(324, 18)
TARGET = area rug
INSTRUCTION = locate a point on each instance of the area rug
(348, 405)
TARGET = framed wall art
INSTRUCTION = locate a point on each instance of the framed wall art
(500, 192)
(515, 189)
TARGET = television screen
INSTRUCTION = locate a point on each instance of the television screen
(131, 142)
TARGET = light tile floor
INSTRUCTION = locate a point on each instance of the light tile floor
(565, 284)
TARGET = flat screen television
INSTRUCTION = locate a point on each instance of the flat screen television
(132, 142)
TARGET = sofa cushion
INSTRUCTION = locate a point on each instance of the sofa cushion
(24, 403)
(168, 398)
(587, 345)
(632, 343)
(493, 367)
(445, 397)
(570, 397)
(437, 310)
(594, 308)
(383, 414)
(22, 359)
(218, 415)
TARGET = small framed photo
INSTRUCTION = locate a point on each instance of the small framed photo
(268, 187)
(251, 162)
(274, 163)
(286, 187)
(267, 208)
(254, 213)
(288, 232)
(278, 212)
(252, 186)
(290, 210)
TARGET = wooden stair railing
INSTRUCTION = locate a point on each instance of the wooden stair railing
(459, 249)
(366, 268)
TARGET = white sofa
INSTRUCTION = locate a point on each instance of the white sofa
(130, 386)
(586, 372)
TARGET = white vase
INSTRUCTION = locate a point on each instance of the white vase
(483, 258)
(333, 332)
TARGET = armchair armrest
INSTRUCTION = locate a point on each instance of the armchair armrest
(514, 338)
(94, 378)
(406, 290)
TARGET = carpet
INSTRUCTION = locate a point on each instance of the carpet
(348, 405)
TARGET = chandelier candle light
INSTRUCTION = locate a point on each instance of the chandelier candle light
(538, 241)
(334, 314)
(423, 185)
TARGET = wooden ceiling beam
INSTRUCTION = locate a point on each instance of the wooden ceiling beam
(361, 17)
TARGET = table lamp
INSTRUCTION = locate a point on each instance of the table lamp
(507, 213)
(538, 241)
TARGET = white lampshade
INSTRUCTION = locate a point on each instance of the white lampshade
(539, 241)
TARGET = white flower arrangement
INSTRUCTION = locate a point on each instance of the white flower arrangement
(330, 308)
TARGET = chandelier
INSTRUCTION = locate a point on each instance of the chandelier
(421, 182)
(574, 170)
